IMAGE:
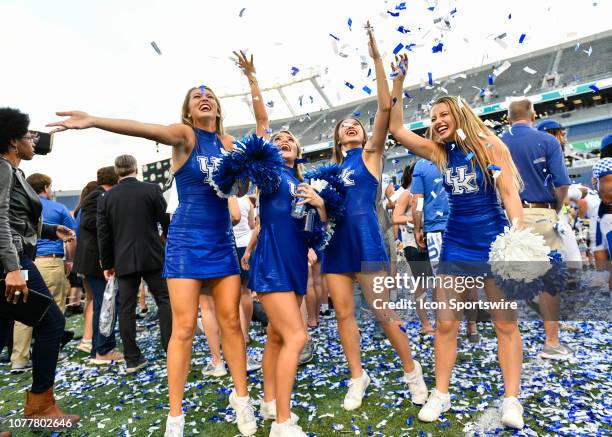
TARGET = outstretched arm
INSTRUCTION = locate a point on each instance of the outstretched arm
(416, 143)
(381, 122)
(261, 116)
(171, 135)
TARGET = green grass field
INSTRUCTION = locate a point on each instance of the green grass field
(111, 403)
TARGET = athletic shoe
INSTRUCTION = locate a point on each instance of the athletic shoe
(268, 411)
(416, 384)
(112, 356)
(286, 429)
(307, 353)
(136, 365)
(357, 388)
(217, 370)
(199, 328)
(327, 314)
(21, 367)
(437, 404)
(512, 413)
(174, 426)
(253, 364)
(85, 346)
(245, 414)
(559, 352)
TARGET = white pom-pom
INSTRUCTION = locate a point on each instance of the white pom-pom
(519, 255)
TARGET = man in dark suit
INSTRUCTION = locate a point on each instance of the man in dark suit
(129, 216)
(87, 263)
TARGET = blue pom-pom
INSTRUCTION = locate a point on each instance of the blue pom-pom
(519, 290)
(556, 278)
(329, 173)
(334, 203)
(253, 159)
(321, 235)
(264, 163)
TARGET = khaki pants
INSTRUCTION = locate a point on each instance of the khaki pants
(542, 221)
(53, 273)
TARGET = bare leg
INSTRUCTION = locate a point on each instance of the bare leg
(283, 312)
(419, 296)
(341, 290)
(246, 310)
(226, 293)
(269, 362)
(211, 327)
(312, 307)
(184, 302)
(472, 314)
(389, 319)
(509, 343)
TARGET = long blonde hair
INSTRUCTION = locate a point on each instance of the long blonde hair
(299, 168)
(475, 142)
(186, 117)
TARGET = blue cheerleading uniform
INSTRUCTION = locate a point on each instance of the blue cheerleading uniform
(475, 216)
(200, 238)
(280, 260)
(357, 244)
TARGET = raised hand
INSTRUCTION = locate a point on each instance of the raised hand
(246, 65)
(309, 195)
(400, 66)
(76, 120)
(372, 46)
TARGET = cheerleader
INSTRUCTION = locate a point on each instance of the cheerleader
(200, 249)
(357, 250)
(278, 271)
(462, 147)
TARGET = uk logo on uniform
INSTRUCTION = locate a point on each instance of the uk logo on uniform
(346, 177)
(463, 182)
(208, 167)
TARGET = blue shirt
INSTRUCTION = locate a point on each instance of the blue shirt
(539, 159)
(53, 213)
(427, 180)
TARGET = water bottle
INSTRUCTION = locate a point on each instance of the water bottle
(298, 211)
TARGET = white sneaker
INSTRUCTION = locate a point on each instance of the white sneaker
(437, 404)
(174, 426)
(85, 346)
(253, 364)
(217, 370)
(245, 414)
(416, 384)
(286, 429)
(357, 388)
(268, 411)
(512, 413)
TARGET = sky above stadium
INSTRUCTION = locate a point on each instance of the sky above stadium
(98, 57)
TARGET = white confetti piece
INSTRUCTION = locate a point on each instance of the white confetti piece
(529, 70)
(461, 134)
(503, 67)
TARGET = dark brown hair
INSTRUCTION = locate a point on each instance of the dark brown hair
(106, 176)
(84, 192)
(337, 155)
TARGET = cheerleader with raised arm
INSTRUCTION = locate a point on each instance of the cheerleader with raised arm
(465, 151)
(277, 260)
(357, 249)
(200, 250)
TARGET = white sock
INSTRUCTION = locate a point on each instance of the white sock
(176, 419)
(324, 307)
(241, 399)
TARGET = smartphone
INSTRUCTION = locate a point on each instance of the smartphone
(44, 143)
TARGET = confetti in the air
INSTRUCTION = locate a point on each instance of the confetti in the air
(350, 85)
(350, 23)
(366, 89)
(241, 12)
(522, 38)
(437, 48)
(461, 134)
(398, 48)
(156, 47)
(529, 70)
(294, 71)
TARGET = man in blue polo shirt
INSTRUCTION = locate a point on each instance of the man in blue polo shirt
(53, 263)
(602, 181)
(539, 159)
